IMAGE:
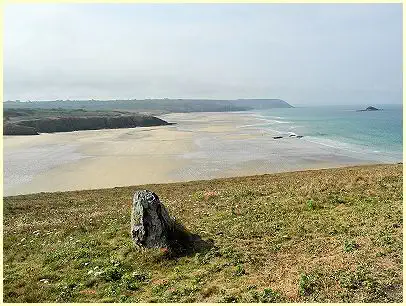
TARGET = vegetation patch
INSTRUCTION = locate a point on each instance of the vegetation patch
(336, 237)
(350, 245)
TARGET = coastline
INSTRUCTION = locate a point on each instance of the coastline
(200, 146)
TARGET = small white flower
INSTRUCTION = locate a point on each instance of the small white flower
(86, 263)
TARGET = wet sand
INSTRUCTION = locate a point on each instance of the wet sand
(199, 146)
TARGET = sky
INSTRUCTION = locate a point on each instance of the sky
(310, 54)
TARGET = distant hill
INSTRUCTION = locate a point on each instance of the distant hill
(262, 103)
(155, 106)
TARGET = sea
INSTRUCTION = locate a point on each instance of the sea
(377, 135)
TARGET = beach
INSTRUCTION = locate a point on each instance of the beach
(199, 146)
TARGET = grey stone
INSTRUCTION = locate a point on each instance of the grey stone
(151, 225)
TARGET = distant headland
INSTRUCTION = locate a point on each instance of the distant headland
(34, 117)
(155, 106)
(36, 121)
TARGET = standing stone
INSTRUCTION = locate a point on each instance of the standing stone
(151, 224)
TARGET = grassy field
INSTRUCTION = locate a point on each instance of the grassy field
(323, 236)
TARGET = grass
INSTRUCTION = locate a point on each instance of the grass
(313, 236)
(350, 245)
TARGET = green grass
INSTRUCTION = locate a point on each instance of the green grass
(350, 245)
(313, 236)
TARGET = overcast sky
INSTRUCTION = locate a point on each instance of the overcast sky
(302, 53)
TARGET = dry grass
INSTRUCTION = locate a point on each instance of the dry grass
(326, 236)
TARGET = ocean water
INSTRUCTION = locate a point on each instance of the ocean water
(374, 134)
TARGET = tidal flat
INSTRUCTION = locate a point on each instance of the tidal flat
(199, 146)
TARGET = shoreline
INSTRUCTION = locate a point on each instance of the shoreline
(225, 178)
(200, 146)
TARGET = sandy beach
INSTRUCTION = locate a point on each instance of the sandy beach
(199, 146)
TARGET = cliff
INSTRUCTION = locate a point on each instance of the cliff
(69, 123)
(16, 129)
